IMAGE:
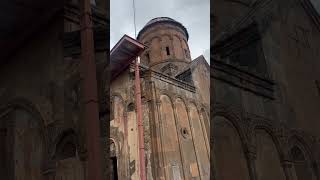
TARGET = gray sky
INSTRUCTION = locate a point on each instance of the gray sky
(316, 4)
(193, 14)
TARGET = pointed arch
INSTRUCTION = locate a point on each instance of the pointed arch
(29, 106)
(229, 150)
(269, 153)
(66, 145)
(27, 138)
(301, 156)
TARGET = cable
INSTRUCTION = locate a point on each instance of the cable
(134, 19)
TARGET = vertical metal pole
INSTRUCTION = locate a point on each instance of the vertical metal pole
(91, 111)
(139, 120)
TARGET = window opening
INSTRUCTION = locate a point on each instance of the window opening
(168, 51)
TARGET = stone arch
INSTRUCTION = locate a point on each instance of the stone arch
(269, 153)
(193, 102)
(301, 157)
(32, 108)
(201, 143)
(155, 49)
(118, 108)
(67, 139)
(114, 158)
(206, 120)
(116, 94)
(183, 99)
(116, 145)
(68, 156)
(155, 37)
(229, 149)
(235, 119)
(270, 130)
(185, 45)
(24, 135)
(304, 143)
(168, 94)
(203, 126)
(169, 138)
(166, 35)
(131, 107)
(186, 139)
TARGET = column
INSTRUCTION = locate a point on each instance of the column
(251, 157)
(287, 168)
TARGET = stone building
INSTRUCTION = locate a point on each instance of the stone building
(42, 128)
(42, 115)
(265, 90)
(175, 108)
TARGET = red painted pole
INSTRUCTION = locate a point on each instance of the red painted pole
(91, 111)
(139, 120)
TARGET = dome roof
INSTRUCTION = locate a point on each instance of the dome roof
(158, 20)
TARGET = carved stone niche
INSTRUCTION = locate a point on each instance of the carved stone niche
(113, 151)
(169, 69)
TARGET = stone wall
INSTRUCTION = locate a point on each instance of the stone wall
(270, 119)
(161, 38)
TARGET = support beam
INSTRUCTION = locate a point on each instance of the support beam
(139, 120)
(91, 111)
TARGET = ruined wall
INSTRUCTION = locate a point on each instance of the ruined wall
(228, 151)
(23, 144)
(299, 44)
(35, 84)
(46, 83)
(124, 129)
(175, 131)
(268, 113)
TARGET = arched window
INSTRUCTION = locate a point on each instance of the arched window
(147, 58)
(301, 166)
(131, 107)
(113, 161)
(66, 148)
(168, 51)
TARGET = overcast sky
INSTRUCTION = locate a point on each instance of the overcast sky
(193, 14)
(316, 4)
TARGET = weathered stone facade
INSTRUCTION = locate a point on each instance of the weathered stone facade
(264, 90)
(175, 106)
(42, 129)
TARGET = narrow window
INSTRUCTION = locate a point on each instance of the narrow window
(187, 54)
(318, 86)
(148, 57)
(168, 51)
(113, 162)
(111, 111)
(114, 168)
